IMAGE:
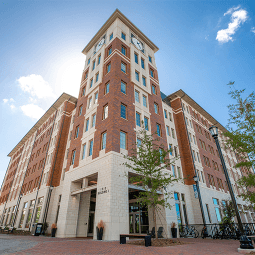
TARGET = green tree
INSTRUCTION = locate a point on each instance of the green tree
(241, 137)
(149, 161)
(228, 211)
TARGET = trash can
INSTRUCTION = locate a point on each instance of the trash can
(38, 229)
(147, 240)
(33, 229)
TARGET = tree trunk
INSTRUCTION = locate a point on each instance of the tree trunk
(155, 221)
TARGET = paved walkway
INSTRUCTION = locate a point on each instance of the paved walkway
(10, 244)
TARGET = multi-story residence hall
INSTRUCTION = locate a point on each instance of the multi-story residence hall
(68, 169)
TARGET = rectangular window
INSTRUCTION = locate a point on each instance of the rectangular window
(173, 170)
(172, 130)
(150, 59)
(77, 131)
(177, 208)
(136, 58)
(171, 150)
(144, 81)
(146, 123)
(153, 89)
(156, 108)
(84, 151)
(123, 36)
(144, 101)
(103, 139)
(137, 97)
(123, 50)
(97, 77)
(110, 51)
(170, 116)
(138, 119)
(94, 64)
(94, 120)
(142, 63)
(136, 75)
(123, 87)
(105, 115)
(108, 68)
(139, 142)
(73, 157)
(99, 59)
(111, 36)
(88, 61)
(151, 73)
(123, 67)
(208, 213)
(123, 111)
(80, 110)
(87, 125)
(91, 83)
(123, 140)
(107, 88)
(96, 98)
(90, 147)
(168, 130)
(165, 113)
(83, 91)
(158, 129)
(90, 102)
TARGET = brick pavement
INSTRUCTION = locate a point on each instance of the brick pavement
(47, 245)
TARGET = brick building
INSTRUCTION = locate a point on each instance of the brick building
(68, 169)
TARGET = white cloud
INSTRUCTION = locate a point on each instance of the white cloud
(253, 30)
(32, 100)
(36, 86)
(12, 106)
(12, 100)
(5, 101)
(237, 17)
(33, 111)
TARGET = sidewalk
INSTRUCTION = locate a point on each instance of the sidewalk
(45, 245)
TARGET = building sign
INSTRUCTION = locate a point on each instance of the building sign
(195, 190)
(102, 191)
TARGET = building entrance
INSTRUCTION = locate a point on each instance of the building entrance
(92, 209)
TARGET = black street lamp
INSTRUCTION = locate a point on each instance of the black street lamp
(245, 242)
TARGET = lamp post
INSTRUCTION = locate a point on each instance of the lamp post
(245, 242)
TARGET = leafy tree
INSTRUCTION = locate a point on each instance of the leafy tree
(228, 211)
(241, 137)
(149, 161)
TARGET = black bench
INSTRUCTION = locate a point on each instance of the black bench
(147, 238)
(252, 238)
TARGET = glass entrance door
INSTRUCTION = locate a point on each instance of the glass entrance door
(91, 223)
(134, 223)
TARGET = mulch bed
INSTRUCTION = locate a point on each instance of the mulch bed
(158, 243)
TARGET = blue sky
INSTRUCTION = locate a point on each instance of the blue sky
(202, 46)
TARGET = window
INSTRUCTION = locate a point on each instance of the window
(136, 75)
(87, 125)
(94, 64)
(123, 67)
(90, 147)
(198, 159)
(142, 63)
(123, 50)
(194, 139)
(170, 149)
(83, 91)
(153, 89)
(123, 36)
(99, 59)
(91, 83)
(146, 123)
(168, 130)
(96, 97)
(84, 151)
(123, 140)
(217, 209)
(108, 68)
(105, 115)
(80, 110)
(172, 130)
(165, 113)
(175, 151)
(73, 157)
(111, 36)
(156, 108)
(144, 101)
(86, 75)
(136, 58)
(173, 170)
(123, 111)
(208, 213)
(107, 88)
(151, 73)
(103, 139)
(139, 142)
(158, 129)
(93, 120)
(97, 76)
(88, 61)
(138, 119)
(137, 99)
(90, 102)
(77, 131)
(170, 116)
(177, 208)
(144, 81)
(150, 59)
(110, 51)
(123, 87)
